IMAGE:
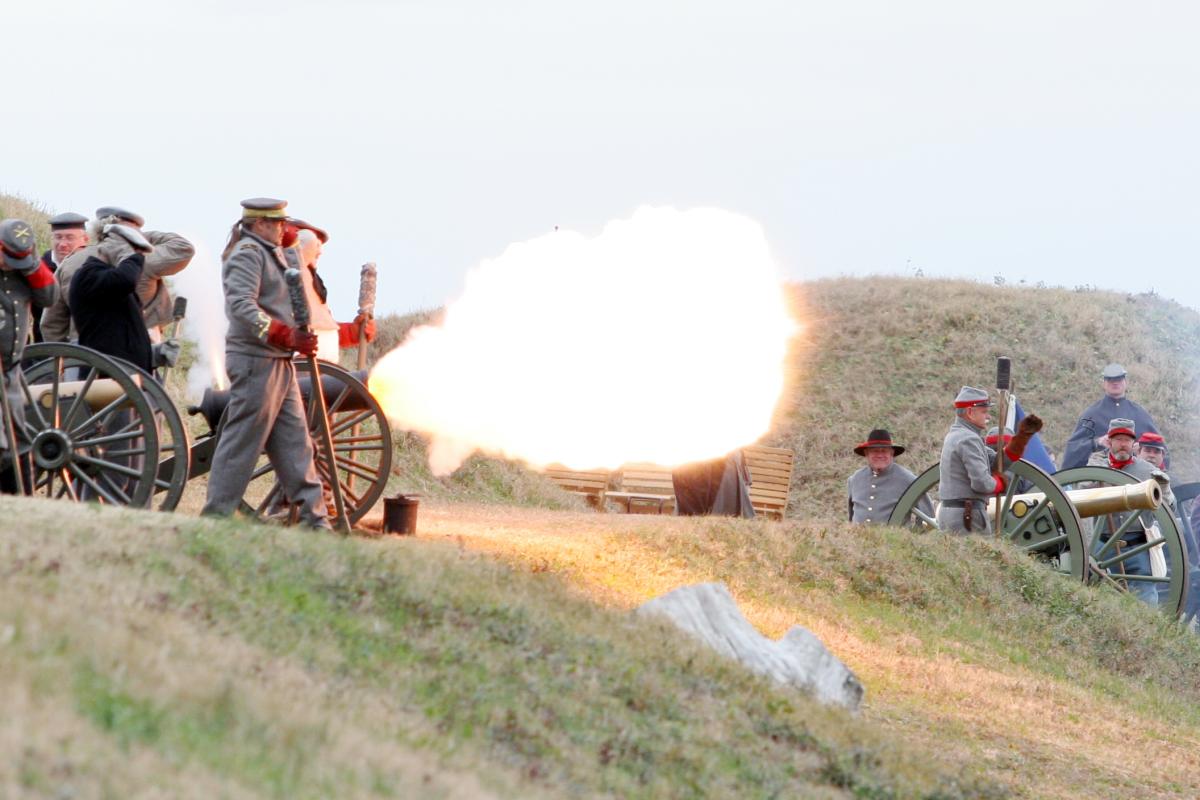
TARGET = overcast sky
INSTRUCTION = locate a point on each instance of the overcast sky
(1043, 141)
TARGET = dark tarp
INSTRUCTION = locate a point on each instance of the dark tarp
(720, 487)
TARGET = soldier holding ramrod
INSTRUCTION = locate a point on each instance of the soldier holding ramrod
(265, 410)
(968, 466)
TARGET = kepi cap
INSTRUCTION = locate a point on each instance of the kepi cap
(264, 208)
(969, 397)
(67, 220)
(1152, 439)
(18, 242)
(120, 213)
(308, 226)
(1112, 372)
(880, 437)
(1120, 426)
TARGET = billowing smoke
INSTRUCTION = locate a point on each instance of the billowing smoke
(662, 340)
(205, 323)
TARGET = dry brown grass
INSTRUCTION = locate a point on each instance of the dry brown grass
(892, 353)
(968, 705)
(12, 207)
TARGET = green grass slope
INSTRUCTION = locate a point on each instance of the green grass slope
(142, 654)
(892, 352)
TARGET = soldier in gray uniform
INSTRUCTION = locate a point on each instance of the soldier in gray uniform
(968, 475)
(265, 410)
(25, 283)
(875, 488)
(1120, 456)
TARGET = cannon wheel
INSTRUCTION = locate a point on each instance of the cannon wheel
(1050, 530)
(362, 442)
(1171, 601)
(174, 442)
(79, 452)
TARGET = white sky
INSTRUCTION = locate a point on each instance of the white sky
(1050, 141)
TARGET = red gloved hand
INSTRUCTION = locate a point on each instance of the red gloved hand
(348, 331)
(285, 337)
(1000, 484)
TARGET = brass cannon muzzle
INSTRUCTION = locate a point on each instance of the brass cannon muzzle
(1144, 496)
(99, 394)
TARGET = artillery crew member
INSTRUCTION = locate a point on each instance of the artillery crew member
(332, 335)
(67, 234)
(875, 488)
(1120, 456)
(1088, 437)
(171, 254)
(265, 410)
(103, 295)
(25, 283)
(967, 468)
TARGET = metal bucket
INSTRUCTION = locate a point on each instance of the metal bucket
(400, 514)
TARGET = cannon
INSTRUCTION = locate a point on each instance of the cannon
(98, 428)
(362, 441)
(1051, 519)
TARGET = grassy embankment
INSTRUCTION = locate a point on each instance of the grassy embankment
(142, 654)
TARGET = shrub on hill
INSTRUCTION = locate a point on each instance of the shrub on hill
(12, 207)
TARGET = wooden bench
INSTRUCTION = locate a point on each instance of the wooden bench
(591, 485)
(645, 489)
(771, 476)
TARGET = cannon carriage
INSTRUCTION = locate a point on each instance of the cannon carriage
(1068, 521)
(97, 428)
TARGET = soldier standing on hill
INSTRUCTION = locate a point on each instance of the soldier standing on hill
(875, 488)
(968, 475)
(265, 410)
(1088, 437)
(67, 234)
(24, 283)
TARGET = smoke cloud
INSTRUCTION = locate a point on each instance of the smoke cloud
(662, 339)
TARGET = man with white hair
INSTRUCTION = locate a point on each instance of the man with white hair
(332, 336)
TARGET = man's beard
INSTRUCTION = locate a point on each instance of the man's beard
(1121, 456)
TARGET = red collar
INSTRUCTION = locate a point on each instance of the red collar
(1112, 462)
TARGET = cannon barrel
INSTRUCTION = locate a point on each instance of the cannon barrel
(1144, 496)
(99, 394)
(212, 405)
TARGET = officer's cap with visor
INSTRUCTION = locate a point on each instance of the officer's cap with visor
(1113, 372)
(68, 220)
(264, 208)
(970, 397)
(123, 214)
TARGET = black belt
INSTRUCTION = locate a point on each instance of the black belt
(957, 503)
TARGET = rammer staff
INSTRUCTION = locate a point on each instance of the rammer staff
(301, 312)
